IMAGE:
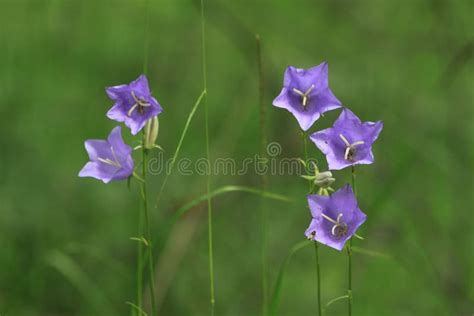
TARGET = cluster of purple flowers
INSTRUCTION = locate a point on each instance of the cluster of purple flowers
(111, 159)
(306, 94)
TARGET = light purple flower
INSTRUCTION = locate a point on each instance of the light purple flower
(134, 104)
(348, 142)
(336, 217)
(306, 94)
(110, 159)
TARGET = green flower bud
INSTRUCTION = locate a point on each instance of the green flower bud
(324, 179)
(151, 133)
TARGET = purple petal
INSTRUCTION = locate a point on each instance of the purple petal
(97, 148)
(116, 141)
(117, 92)
(118, 112)
(98, 171)
(317, 204)
(140, 86)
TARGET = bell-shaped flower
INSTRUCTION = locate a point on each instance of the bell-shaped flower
(335, 218)
(134, 104)
(110, 159)
(348, 142)
(306, 94)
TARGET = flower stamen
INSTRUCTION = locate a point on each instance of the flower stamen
(304, 95)
(111, 162)
(350, 148)
(340, 228)
(139, 104)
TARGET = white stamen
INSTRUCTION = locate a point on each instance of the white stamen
(328, 218)
(304, 95)
(109, 162)
(337, 225)
(345, 140)
(360, 142)
(349, 146)
(139, 102)
(298, 92)
(129, 113)
(115, 156)
(346, 153)
(134, 96)
(309, 90)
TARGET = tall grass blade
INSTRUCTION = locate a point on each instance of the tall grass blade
(275, 300)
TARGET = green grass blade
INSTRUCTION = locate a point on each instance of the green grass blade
(225, 189)
(73, 272)
(137, 309)
(180, 143)
(371, 253)
(279, 282)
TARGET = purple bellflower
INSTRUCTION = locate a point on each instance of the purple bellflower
(110, 159)
(134, 104)
(306, 94)
(335, 218)
(348, 142)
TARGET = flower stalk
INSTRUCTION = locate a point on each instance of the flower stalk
(349, 252)
(151, 267)
(264, 180)
(208, 156)
(316, 246)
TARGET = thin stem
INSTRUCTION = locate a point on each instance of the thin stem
(151, 267)
(208, 156)
(349, 253)
(316, 246)
(140, 253)
(264, 180)
(139, 262)
(318, 274)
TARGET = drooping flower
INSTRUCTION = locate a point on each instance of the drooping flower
(110, 159)
(134, 104)
(348, 142)
(335, 218)
(306, 94)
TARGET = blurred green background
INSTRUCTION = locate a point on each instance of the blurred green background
(64, 240)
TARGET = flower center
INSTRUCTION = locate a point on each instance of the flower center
(350, 151)
(111, 162)
(304, 95)
(340, 228)
(140, 104)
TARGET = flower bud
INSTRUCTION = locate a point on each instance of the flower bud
(324, 179)
(151, 133)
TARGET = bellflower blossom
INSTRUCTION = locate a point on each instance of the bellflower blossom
(335, 218)
(134, 104)
(110, 159)
(306, 94)
(348, 142)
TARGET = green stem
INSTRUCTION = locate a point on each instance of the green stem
(139, 262)
(140, 252)
(208, 156)
(316, 246)
(349, 253)
(151, 267)
(264, 180)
